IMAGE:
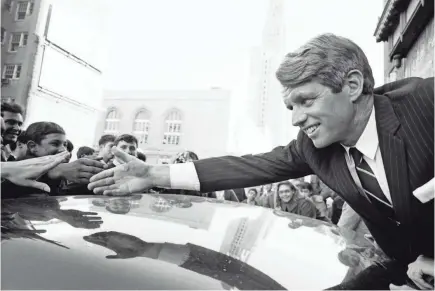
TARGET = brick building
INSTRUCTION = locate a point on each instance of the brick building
(407, 28)
(167, 122)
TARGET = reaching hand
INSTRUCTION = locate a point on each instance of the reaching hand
(131, 177)
(422, 267)
(80, 219)
(25, 172)
(79, 171)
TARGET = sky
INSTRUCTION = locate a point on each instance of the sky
(198, 44)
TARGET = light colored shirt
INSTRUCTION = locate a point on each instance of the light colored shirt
(184, 176)
(368, 145)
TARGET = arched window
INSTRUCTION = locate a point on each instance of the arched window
(172, 128)
(112, 122)
(141, 126)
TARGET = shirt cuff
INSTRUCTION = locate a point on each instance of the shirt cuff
(184, 177)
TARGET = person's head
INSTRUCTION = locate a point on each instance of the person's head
(127, 143)
(20, 151)
(13, 118)
(306, 189)
(141, 156)
(185, 157)
(328, 85)
(267, 188)
(286, 191)
(45, 138)
(84, 152)
(105, 145)
(3, 128)
(252, 194)
(118, 206)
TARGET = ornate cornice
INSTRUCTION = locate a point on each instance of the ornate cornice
(389, 18)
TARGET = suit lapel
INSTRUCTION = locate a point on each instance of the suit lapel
(394, 158)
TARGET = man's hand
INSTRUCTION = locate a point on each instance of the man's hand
(418, 270)
(79, 171)
(25, 172)
(80, 219)
(131, 177)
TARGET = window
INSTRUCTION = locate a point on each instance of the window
(172, 128)
(3, 35)
(18, 40)
(141, 126)
(12, 72)
(8, 99)
(112, 122)
(8, 5)
(22, 10)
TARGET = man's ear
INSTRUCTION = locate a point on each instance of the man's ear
(355, 83)
(32, 147)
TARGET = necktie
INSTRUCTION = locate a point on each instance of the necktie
(370, 184)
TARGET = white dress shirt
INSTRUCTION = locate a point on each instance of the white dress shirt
(184, 176)
(368, 145)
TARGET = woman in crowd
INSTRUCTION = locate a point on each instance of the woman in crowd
(290, 200)
(252, 197)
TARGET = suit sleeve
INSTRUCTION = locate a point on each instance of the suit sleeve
(231, 172)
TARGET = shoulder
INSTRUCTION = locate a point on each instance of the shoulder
(415, 88)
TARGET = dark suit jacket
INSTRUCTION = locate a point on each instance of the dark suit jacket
(404, 113)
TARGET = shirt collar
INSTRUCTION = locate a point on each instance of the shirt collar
(368, 142)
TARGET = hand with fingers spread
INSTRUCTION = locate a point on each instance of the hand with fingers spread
(79, 171)
(132, 176)
(24, 173)
(79, 219)
(420, 270)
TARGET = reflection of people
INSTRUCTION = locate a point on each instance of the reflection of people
(189, 256)
(373, 147)
(45, 209)
(117, 205)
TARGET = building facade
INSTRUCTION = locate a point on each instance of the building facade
(168, 122)
(51, 60)
(407, 29)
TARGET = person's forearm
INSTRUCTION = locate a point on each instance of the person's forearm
(160, 176)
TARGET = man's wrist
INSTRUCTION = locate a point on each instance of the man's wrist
(160, 176)
(56, 172)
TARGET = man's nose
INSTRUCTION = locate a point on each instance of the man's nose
(298, 117)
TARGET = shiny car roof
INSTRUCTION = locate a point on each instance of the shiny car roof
(166, 241)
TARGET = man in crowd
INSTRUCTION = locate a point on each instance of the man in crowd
(13, 118)
(105, 145)
(373, 147)
(46, 139)
(126, 143)
(85, 152)
(20, 151)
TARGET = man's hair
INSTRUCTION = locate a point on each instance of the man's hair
(11, 107)
(141, 156)
(22, 138)
(306, 185)
(106, 138)
(326, 59)
(37, 131)
(127, 138)
(69, 146)
(85, 151)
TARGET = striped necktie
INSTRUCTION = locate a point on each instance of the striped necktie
(370, 184)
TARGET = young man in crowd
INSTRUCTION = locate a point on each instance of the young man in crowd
(105, 145)
(13, 118)
(45, 139)
(306, 190)
(126, 143)
(85, 152)
(20, 151)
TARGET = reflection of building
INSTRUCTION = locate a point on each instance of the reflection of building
(242, 235)
(167, 122)
(51, 55)
(407, 28)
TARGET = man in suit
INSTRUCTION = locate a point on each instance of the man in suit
(373, 147)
